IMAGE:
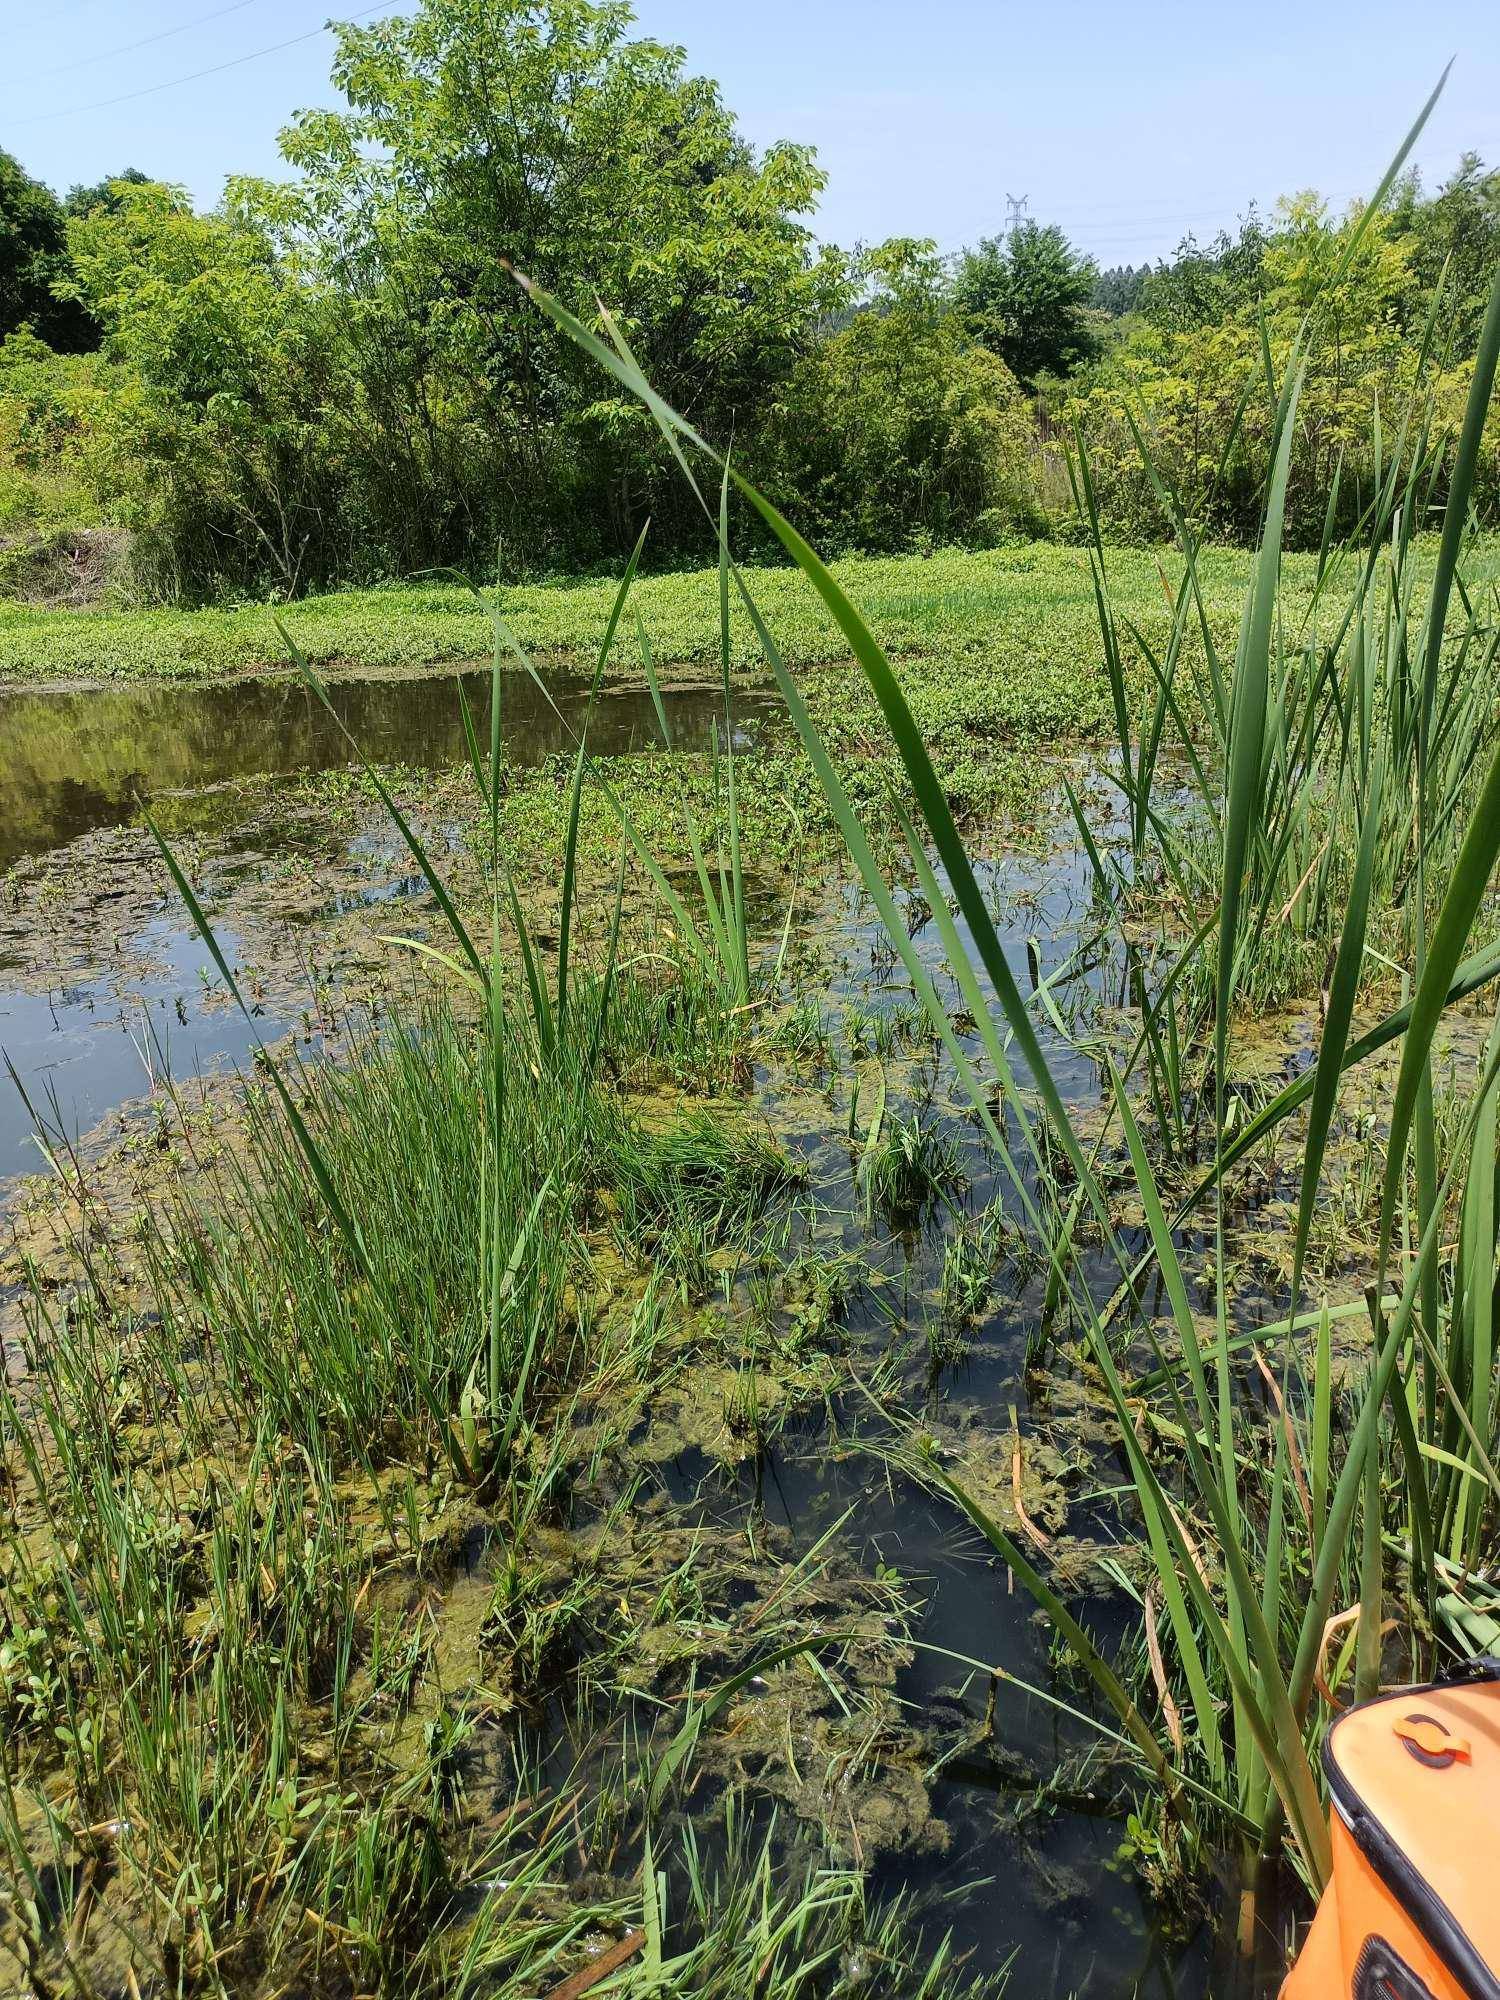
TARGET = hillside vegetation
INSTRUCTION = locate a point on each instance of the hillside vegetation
(332, 378)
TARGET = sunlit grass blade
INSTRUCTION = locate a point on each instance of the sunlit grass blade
(414, 846)
(1342, 991)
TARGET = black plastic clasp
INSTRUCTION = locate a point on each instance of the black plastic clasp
(1381, 1975)
(1483, 1667)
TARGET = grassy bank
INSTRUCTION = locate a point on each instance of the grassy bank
(1028, 609)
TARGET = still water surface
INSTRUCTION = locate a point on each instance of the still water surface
(72, 762)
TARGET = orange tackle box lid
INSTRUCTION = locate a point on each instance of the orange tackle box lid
(1415, 1777)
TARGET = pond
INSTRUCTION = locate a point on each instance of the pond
(1016, 1845)
(72, 762)
(84, 1040)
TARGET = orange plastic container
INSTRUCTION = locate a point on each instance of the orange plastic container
(1412, 1911)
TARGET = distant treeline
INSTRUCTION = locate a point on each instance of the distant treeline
(335, 378)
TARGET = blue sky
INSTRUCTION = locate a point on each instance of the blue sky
(1128, 123)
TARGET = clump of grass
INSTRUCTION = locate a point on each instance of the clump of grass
(373, 1353)
(204, 1677)
(970, 1257)
(884, 1031)
(806, 1304)
(912, 1167)
(703, 1178)
(803, 1033)
(720, 1930)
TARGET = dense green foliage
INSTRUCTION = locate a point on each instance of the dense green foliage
(1391, 335)
(1118, 289)
(332, 378)
(1026, 295)
(34, 263)
(484, 134)
(900, 428)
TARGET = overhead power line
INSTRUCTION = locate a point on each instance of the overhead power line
(1120, 221)
(196, 76)
(128, 48)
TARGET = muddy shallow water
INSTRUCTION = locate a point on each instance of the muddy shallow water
(73, 762)
(91, 1026)
(1013, 1834)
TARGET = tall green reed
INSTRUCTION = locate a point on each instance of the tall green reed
(1374, 730)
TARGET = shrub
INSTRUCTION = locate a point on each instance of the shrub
(900, 429)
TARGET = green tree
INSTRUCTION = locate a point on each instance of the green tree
(1027, 295)
(1457, 240)
(217, 448)
(900, 428)
(486, 135)
(1200, 287)
(338, 376)
(34, 260)
(84, 198)
(1117, 291)
(1195, 376)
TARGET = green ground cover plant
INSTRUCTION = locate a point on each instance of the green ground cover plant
(1007, 640)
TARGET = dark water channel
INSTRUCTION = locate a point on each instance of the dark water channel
(1031, 1831)
(1018, 1814)
(1029, 1820)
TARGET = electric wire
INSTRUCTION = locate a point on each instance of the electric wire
(197, 75)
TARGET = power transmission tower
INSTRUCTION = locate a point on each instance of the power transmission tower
(1015, 213)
